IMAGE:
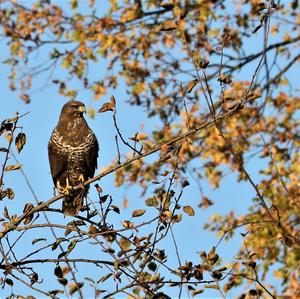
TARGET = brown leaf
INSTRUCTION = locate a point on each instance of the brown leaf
(20, 141)
(125, 244)
(127, 224)
(105, 277)
(138, 137)
(124, 203)
(191, 85)
(58, 272)
(12, 167)
(205, 203)
(108, 106)
(189, 210)
(63, 281)
(168, 25)
(74, 287)
(5, 213)
(166, 5)
(138, 213)
(185, 183)
(93, 229)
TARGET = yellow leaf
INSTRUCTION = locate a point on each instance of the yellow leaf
(127, 224)
(125, 244)
(191, 85)
(91, 112)
(168, 25)
(74, 287)
(13, 167)
(138, 213)
(189, 210)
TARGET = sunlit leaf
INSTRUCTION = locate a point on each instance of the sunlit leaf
(20, 141)
(13, 167)
(189, 210)
(138, 213)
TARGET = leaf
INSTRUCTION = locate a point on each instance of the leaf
(185, 183)
(34, 278)
(62, 254)
(13, 167)
(127, 224)
(93, 229)
(91, 112)
(257, 28)
(5, 213)
(191, 85)
(108, 106)
(10, 193)
(151, 202)
(63, 281)
(168, 25)
(138, 137)
(74, 287)
(58, 272)
(124, 203)
(125, 244)
(104, 277)
(57, 242)
(20, 141)
(205, 203)
(152, 266)
(9, 282)
(177, 12)
(38, 240)
(166, 5)
(138, 213)
(72, 245)
(211, 286)
(115, 208)
(189, 210)
(197, 292)
(289, 241)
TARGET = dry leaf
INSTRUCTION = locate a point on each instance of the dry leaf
(124, 203)
(13, 167)
(191, 85)
(125, 244)
(108, 106)
(138, 213)
(20, 141)
(168, 25)
(127, 224)
(74, 287)
(189, 210)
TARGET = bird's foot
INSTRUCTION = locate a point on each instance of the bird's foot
(64, 190)
(81, 179)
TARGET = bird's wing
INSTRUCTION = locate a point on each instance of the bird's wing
(91, 157)
(58, 163)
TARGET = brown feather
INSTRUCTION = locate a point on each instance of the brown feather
(73, 152)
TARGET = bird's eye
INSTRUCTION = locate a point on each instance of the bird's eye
(75, 106)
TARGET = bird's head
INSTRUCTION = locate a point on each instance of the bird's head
(73, 109)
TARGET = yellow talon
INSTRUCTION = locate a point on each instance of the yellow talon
(65, 190)
(81, 179)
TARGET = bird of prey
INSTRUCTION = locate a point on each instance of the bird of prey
(73, 152)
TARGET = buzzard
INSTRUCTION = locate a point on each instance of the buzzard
(73, 151)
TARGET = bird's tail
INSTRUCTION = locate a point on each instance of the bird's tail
(73, 202)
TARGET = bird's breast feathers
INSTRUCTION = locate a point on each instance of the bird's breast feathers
(72, 143)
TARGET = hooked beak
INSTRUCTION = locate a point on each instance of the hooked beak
(81, 109)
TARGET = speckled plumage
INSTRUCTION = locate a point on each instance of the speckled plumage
(73, 151)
